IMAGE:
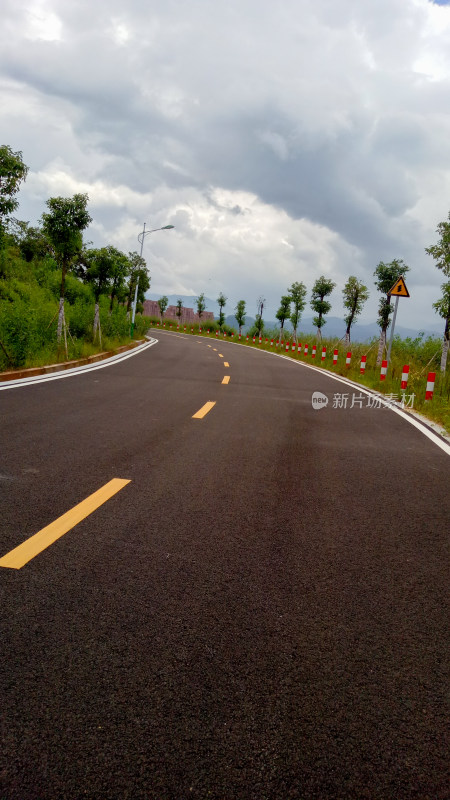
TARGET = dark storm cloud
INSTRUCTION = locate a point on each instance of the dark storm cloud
(319, 109)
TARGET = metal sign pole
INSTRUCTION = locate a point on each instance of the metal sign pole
(392, 329)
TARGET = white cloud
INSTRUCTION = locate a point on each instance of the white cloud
(284, 141)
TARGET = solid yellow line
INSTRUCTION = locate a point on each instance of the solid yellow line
(22, 554)
(204, 410)
(226, 379)
(226, 364)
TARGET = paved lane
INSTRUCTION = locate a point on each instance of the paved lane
(259, 613)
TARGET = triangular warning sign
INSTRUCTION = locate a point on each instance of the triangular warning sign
(399, 288)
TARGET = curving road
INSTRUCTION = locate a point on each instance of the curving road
(260, 612)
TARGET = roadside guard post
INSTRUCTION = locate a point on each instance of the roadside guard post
(398, 290)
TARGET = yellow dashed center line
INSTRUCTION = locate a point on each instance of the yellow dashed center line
(220, 355)
(226, 379)
(215, 349)
(202, 412)
(226, 364)
(22, 554)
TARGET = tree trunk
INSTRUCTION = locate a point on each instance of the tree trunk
(347, 336)
(61, 317)
(444, 354)
(381, 346)
(96, 321)
(61, 320)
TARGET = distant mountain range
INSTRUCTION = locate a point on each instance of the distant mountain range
(334, 327)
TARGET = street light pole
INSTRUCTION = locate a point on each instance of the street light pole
(141, 238)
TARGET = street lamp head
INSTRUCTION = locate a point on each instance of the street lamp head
(167, 227)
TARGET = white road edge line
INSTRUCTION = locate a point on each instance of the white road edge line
(70, 373)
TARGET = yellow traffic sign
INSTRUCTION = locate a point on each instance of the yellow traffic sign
(399, 288)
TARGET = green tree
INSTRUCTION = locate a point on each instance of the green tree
(135, 269)
(163, 302)
(297, 293)
(441, 255)
(355, 295)
(221, 300)
(201, 305)
(441, 250)
(442, 306)
(321, 289)
(63, 224)
(179, 310)
(32, 241)
(12, 172)
(100, 272)
(240, 314)
(284, 311)
(386, 275)
(121, 267)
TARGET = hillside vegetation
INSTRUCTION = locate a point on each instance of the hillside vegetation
(29, 305)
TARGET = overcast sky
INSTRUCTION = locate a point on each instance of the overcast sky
(283, 140)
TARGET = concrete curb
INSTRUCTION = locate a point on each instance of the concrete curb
(32, 372)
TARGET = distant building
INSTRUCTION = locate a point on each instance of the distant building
(188, 315)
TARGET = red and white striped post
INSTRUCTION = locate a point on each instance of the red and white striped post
(362, 367)
(335, 357)
(306, 350)
(271, 342)
(324, 352)
(254, 340)
(217, 333)
(383, 372)
(405, 376)
(240, 337)
(185, 327)
(287, 346)
(313, 353)
(430, 385)
(157, 324)
(178, 327)
(208, 331)
(299, 348)
(348, 358)
(278, 342)
(247, 337)
(293, 347)
(260, 341)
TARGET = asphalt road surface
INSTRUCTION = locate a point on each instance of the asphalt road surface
(259, 613)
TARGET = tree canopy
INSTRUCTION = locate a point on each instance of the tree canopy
(441, 250)
(284, 311)
(355, 294)
(321, 289)
(12, 172)
(297, 292)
